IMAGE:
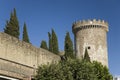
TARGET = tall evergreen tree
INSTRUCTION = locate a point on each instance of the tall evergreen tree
(44, 45)
(86, 56)
(68, 46)
(54, 43)
(50, 42)
(12, 26)
(25, 34)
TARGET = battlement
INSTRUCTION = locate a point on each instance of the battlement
(90, 24)
(91, 35)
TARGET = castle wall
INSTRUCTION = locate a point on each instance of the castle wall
(91, 34)
(94, 39)
(15, 70)
(23, 53)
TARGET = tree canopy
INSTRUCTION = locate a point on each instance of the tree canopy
(12, 26)
(50, 42)
(68, 46)
(44, 45)
(53, 42)
(73, 69)
(25, 34)
(86, 56)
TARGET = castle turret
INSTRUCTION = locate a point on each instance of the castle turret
(91, 34)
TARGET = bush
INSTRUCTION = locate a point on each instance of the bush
(73, 69)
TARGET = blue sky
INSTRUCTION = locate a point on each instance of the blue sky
(42, 15)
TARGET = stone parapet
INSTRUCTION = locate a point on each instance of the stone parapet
(86, 24)
(91, 35)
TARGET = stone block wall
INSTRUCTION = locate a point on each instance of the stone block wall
(23, 53)
(92, 35)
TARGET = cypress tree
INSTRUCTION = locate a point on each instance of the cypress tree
(12, 26)
(68, 46)
(86, 56)
(54, 43)
(25, 34)
(8, 28)
(44, 45)
(50, 42)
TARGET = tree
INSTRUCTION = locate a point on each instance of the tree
(25, 34)
(101, 71)
(73, 69)
(86, 56)
(53, 42)
(44, 45)
(68, 46)
(12, 26)
(50, 42)
(55, 48)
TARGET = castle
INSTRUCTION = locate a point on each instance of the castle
(19, 59)
(91, 34)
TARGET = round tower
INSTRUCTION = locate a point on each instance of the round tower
(91, 34)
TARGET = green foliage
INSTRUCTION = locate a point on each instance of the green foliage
(12, 26)
(68, 46)
(86, 56)
(50, 42)
(73, 69)
(53, 42)
(44, 45)
(101, 71)
(80, 70)
(25, 34)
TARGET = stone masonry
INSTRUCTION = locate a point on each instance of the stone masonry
(19, 59)
(91, 34)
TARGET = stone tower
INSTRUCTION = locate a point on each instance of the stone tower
(91, 34)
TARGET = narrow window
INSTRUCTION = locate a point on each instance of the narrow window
(88, 47)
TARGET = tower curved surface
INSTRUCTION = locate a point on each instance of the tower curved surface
(91, 34)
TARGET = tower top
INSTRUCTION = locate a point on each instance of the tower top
(91, 35)
(94, 22)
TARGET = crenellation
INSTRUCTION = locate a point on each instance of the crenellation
(90, 22)
(92, 34)
(21, 59)
(93, 23)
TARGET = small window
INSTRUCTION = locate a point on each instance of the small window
(88, 47)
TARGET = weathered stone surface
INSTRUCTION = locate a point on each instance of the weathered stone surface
(92, 35)
(20, 59)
